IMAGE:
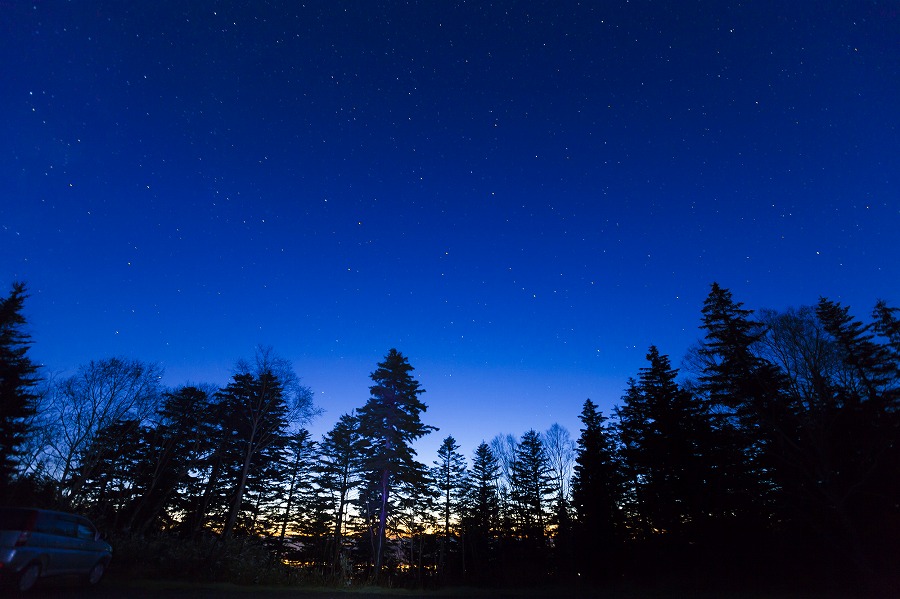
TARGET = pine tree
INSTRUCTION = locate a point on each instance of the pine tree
(449, 474)
(887, 324)
(663, 427)
(596, 491)
(532, 487)
(861, 496)
(390, 422)
(873, 366)
(108, 469)
(18, 377)
(298, 482)
(181, 435)
(256, 416)
(743, 393)
(482, 514)
(341, 459)
(531, 491)
(416, 512)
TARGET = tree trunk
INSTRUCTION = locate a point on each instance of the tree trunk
(238, 493)
(382, 525)
(338, 531)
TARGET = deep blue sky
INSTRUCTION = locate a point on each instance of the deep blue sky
(519, 196)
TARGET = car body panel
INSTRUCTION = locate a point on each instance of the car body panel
(61, 543)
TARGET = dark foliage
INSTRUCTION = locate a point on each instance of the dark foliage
(774, 464)
(597, 496)
(390, 421)
(18, 377)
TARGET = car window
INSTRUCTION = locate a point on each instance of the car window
(85, 530)
(62, 525)
(46, 523)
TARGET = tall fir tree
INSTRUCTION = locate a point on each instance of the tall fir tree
(339, 467)
(743, 393)
(181, 435)
(887, 324)
(874, 369)
(596, 493)
(390, 421)
(531, 492)
(298, 483)
(482, 513)
(449, 475)
(18, 377)
(862, 497)
(255, 415)
(663, 428)
(532, 487)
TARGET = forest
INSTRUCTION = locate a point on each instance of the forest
(770, 459)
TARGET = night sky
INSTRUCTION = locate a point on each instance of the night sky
(519, 196)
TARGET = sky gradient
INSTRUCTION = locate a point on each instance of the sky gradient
(519, 196)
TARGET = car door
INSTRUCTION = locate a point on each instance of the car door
(88, 547)
(52, 539)
(65, 554)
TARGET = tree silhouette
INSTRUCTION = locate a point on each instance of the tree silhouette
(661, 427)
(181, 436)
(743, 394)
(560, 452)
(390, 421)
(596, 493)
(339, 468)
(449, 474)
(301, 451)
(780, 457)
(531, 491)
(17, 382)
(861, 494)
(101, 393)
(256, 417)
(482, 514)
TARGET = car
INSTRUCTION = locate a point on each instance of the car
(37, 543)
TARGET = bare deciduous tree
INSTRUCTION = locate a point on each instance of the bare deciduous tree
(100, 393)
(560, 451)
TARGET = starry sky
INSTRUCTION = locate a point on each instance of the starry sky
(519, 196)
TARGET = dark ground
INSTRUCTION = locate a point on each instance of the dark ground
(143, 589)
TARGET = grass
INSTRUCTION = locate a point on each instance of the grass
(228, 590)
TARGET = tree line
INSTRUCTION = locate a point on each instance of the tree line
(771, 457)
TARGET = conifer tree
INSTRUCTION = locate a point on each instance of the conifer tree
(596, 490)
(256, 418)
(743, 394)
(531, 491)
(449, 475)
(531, 487)
(887, 324)
(339, 465)
(181, 435)
(18, 377)
(482, 514)
(390, 421)
(871, 362)
(301, 450)
(663, 428)
(862, 495)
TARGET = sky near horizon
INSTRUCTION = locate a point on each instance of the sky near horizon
(521, 197)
